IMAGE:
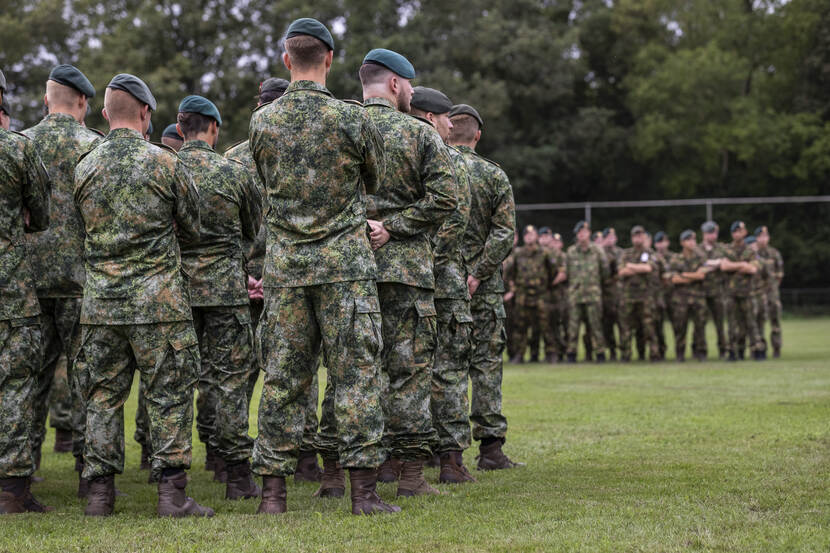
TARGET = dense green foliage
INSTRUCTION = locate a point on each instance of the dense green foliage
(583, 99)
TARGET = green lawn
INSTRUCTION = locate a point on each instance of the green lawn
(639, 457)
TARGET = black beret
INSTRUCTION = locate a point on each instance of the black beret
(464, 109)
(392, 61)
(200, 105)
(273, 84)
(431, 100)
(134, 86)
(760, 230)
(2, 81)
(637, 229)
(310, 27)
(71, 76)
(608, 230)
(580, 225)
(171, 132)
(545, 230)
(709, 226)
(4, 107)
(737, 225)
(686, 234)
(749, 240)
(660, 235)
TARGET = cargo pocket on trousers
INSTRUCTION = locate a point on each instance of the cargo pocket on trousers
(243, 350)
(22, 348)
(426, 333)
(367, 340)
(184, 352)
(80, 365)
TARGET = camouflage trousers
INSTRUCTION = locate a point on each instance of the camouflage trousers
(743, 325)
(226, 348)
(662, 315)
(19, 362)
(555, 329)
(510, 326)
(774, 310)
(341, 320)
(716, 307)
(758, 308)
(60, 332)
(167, 358)
(684, 308)
(529, 322)
(610, 319)
(449, 403)
(634, 313)
(590, 314)
(486, 366)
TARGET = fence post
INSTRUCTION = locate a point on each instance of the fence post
(588, 213)
(709, 210)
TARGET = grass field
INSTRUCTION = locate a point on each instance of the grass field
(640, 457)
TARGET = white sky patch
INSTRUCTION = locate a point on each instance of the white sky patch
(206, 79)
(94, 42)
(407, 11)
(338, 27)
(674, 28)
(572, 52)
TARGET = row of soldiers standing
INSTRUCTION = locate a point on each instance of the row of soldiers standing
(380, 256)
(551, 290)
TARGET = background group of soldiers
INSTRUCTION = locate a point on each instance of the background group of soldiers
(367, 237)
(625, 294)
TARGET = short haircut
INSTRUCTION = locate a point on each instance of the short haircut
(464, 128)
(59, 95)
(121, 105)
(306, 52)
(373, 73)
(193, 123)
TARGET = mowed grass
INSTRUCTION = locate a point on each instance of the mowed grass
(640, 457)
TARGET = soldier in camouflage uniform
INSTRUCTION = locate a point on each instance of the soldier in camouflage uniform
(529, 278)
(759, 284)
(486, 243)
(687, 270)
(773, 296)
(555, 327)
(663, 290)
(57, 260)
(510, 304)
(320, 293)
(229, 210)
(611, 291)
(636, 265)
(135, 199)
(307, 468)
(5, 115)
(741, 263)
(713, 284)
(587, 268)
(25, 208)
(417, 194)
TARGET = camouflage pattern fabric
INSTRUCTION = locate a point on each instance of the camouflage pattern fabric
(254, 249)
(449, 267)
(638, 306)
(688, 302)
(60, 395)
(530, 276)
(510, 314)
(142, 422)
(662, 291)
(587, 269)
(611, 293)
(489, 340)
(713, 286)
(167, 356)
(739, 302)
(555, 329)
(343, 321)
(773, 296)
(589, 313)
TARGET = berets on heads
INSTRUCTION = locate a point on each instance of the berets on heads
(431, 100)
(135, 87)
(311, 27)
(392, 61)
(464, 109)
(737, 225)
(749, 240)
(660, 235)
(171, 132)
(527, 229)
(637, 229)
(2, 81)
(608, 230)
(69, 75)
(581, 225)
(709, 226)
(200, 105)
(273, 84)
(686, 234)
(761, 230)
(545, 230)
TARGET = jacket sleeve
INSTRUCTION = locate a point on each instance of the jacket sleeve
(499, 240)
(449, 235)
(186, 206)
(36, 190)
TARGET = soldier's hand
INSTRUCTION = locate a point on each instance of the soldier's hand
(379, 235)
(254, 288)
(27, 217)
(472, 284)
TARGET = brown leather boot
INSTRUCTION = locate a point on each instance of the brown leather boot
(434, 461)
(11, 496)
(365, 500)
(333, 483)
(241, 483)
(412, 480)
(453, 470)
(100, 499)
(307, 468)
(63, 441)
(220, 470)
(389, 471)
(145, 459)
(83, 483)
(23, 490)
(173, 502)
(274, 496)
(491, 457)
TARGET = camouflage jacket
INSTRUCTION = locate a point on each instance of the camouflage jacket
(450, 271)
(417, 193)
(531, 270)
(315, 185)
(57, 255)
(640, 286)
(229, 210)
(713, 284)
(740, 284)
(661, 287)
(776, 266)
(681, 263)
(254, 249)
(135, 200)
(559, 292)
(612, 286)
(489, 235)
(587, 269)
(759, 284)
(24, 184)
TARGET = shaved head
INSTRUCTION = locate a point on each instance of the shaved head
(464, 128)
(61, 96)
(121, 105)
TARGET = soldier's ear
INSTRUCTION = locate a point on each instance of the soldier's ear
(286, 60)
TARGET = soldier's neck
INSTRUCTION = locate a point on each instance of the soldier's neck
(318, 75)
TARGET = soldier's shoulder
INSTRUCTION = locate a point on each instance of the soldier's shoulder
(95, 132)
(165, 148)
(241, 145)
(262, 107)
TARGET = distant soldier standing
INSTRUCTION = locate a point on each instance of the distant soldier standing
(487, 242)
(25, 208)
(759, 284)
(773, 296)
(510, 303)
(662, 290)
(556, 338)
(587, 268)
(611, 288)
(741, 263)
(636, 266)
(171, 138)
(687, 270)
(713, 284)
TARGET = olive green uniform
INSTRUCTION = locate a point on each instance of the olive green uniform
(587, 269)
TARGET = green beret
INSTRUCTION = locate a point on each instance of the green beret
(171, 132)
(608, 230)
(545, 230)
(464, 109)
(581, 225)
(135, 87)
(709, 226)
(686, 234)
(392, 61)
(660, 235)
(637, 229)
(273, 84)
(431, 100)
(737, 225)
(310, 27)
(2, 81)
(200, 105)
(71, 76)
(749, 240)
(758, 231)
(4, 107)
